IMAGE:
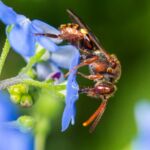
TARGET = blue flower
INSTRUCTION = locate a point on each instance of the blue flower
(10, 135)
(59, 59)
(48, 43)
(71, 96)
(8, 111)
(22, 35)
(12, 138)
(142, 115)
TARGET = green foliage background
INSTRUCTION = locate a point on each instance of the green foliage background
(123, 28)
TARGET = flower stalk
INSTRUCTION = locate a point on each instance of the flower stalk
(41, 130)
(36, 58)
(4, 54)
(24, 79)
(40, 141)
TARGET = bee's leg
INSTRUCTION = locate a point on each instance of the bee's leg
(47, 35)
(85, 54)
(83, 63)
(96, 116)
(86, 62)
(91, 77)
(90, 91)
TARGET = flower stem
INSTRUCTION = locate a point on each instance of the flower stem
(33, 60)
(4, 54)
(41, 129)
(40, 141)
(24, 79)
(9, 82)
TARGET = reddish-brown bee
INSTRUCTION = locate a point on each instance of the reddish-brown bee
(105, 68)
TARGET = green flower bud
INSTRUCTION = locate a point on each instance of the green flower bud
(26, 101)
(15, 98)
(13, 90)
(26, 121)
(18, 89)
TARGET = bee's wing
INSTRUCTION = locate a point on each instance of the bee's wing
(78, 21)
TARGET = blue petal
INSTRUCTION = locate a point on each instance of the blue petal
(46, 43)
(141, 143)
(142, 114)
(17, 140)
(21, 37)
(72, 95)
(21, 20)
(64, 56)
(41, 27)
(7, 14)
(70, 111)
(8, 111)
(45, 69)
(8, 132)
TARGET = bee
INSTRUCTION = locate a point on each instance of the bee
(105, 68)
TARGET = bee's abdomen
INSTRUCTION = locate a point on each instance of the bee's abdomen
(104, 89)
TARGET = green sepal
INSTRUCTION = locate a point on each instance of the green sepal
(26, 101)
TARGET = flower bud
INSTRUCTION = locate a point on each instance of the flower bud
(23, 88)
(15, 98)
(26, 100)
(18, 89)
(26, 122)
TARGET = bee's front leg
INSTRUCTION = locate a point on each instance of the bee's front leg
(47, 35)
(83, 63)
(91, 77)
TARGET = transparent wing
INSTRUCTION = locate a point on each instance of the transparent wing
(78, 21)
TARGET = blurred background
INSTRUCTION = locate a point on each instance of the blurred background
(123, 28)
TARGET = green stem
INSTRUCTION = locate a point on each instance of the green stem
(9, 82)
(4, 54)
(40, 141)
(24, 79)
(41, 129)
(36, 83)
(33, 60)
